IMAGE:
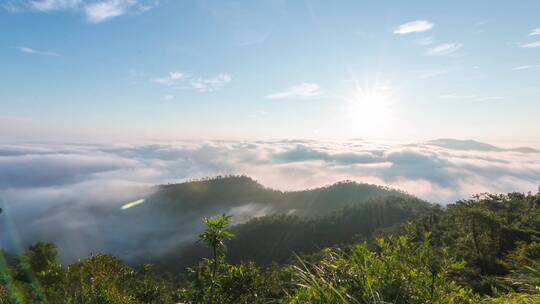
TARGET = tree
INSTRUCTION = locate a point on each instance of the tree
(215, 235)
(216, 281)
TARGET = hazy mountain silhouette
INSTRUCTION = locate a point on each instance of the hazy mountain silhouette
(458, 144)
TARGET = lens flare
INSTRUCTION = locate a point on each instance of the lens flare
(132, 204)
(15, 295)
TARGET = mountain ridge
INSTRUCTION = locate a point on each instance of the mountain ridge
(469, 144)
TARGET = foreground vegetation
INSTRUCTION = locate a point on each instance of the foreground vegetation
(484, 250)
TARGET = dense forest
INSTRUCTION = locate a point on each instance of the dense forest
(385, 249)
(284, 234)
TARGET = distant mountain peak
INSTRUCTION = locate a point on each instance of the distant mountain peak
(469, 144)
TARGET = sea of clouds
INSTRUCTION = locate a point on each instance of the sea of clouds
(48, 191)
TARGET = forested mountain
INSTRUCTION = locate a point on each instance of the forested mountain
(168, 220)
(237, 191)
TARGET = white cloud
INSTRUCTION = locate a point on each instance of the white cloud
(168, 97)
(303, 90)
(28, 50)
(200, 84)
(210, 84)
(103, 10)
(535, 32)
(54, 5)
(455, 96)
(425, 41)
(470, 97)
(174, 78)
(487, 98)
(525, 67)
(95, 11)
(414, 27)
(531, 45)
(62, 165)
(444, 49)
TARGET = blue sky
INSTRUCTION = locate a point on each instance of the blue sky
(141, 69)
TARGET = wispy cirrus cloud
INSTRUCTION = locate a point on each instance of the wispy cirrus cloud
(27, 50)
(470, 97)
(100, 11)
(531, 44)
(174, 78)
(414, 27)
(456, 96)
(54, 5)
(488, 98)
(201, 84)
(535, 32)
(210, 84)
(303, 90)
(95, 11)
(526, 67)
(444, 49)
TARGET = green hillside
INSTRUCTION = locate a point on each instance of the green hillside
(276, 238)
(168, 220)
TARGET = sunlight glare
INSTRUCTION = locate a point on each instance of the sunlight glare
(369, 109)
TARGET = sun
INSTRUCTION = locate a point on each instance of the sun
(368, 109)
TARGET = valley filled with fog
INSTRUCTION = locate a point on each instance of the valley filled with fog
(72, 194)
